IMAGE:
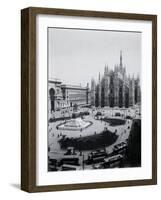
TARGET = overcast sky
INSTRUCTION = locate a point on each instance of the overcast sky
(77, 55)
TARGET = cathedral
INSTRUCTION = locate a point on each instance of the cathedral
(115, 88)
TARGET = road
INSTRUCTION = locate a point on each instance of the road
(54, 135)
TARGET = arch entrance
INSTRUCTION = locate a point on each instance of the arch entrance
(52, 99)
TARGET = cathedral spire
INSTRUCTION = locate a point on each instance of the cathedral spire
(121, 58)
(106, 70)
(99, 78)
(138, 77)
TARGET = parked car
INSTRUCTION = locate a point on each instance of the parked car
(120, 147)
(117, 114)
(128, 117)
(84, 113)
(70, 151)
(98, 114)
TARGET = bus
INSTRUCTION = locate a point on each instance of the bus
(66, 167)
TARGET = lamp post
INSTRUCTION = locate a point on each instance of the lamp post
(83, 161)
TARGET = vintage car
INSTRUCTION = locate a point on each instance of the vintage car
(70, 151)
(118, 148)
(117, 114)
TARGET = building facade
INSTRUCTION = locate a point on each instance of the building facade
(64, 96)
(115, 89)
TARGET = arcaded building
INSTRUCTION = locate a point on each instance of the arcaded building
(64, 96)
(115, 88)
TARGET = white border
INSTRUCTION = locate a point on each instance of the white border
(51, 178)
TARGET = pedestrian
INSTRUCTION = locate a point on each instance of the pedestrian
(80, 153)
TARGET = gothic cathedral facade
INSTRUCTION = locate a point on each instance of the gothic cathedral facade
(115, 88)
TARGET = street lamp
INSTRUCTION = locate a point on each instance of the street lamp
(83, 161)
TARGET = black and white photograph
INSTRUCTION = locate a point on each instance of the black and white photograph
(89, 99)
(94, 99)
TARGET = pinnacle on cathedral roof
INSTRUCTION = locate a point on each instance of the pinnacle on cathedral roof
(99, 77)
(138, 77)
(129, 76)
(116, 66)
(133, 76)
(106, 69)
(92, 80)
(121, 58)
